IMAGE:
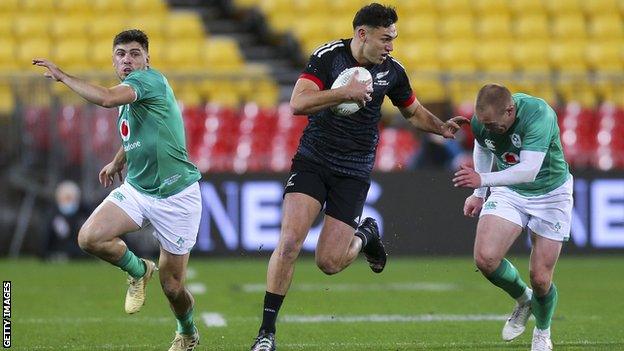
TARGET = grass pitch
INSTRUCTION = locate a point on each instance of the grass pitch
(415, 304)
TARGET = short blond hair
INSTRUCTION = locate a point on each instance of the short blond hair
(493, 96)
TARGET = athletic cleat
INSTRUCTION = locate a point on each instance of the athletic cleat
(183, 342)
(516, 323)
(541, 341)
(264, 342)
(374, 250)
(135, 296)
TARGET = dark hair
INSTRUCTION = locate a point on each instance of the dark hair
(493, 96)
(128, 36)
(375, 15)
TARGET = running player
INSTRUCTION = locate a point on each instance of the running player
(532, 188)
(161, 185)
(333, 164)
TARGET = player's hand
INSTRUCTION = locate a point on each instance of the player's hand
(107, 174)
(53, 72)
(451, 126)
(473, 205)
(466, 177)
(357, 91)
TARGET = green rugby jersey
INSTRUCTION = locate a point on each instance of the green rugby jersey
(152, 134)
(535, 129)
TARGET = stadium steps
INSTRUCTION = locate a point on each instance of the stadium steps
(279, 53)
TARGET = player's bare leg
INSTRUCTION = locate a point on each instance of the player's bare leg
(337, 247)
(495, 236)
(99, 236)
(298, 213)
(172, 277)
(544, 257)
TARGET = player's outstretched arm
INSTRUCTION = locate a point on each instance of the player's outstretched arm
(307, 98)
(106, 97)
(424, 120)
(107, 174)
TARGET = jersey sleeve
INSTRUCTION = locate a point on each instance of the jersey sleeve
(145, 85)
(539, 129)
(317, 70)
(401, 93)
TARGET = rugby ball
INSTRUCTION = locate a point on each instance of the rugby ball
(348, 108)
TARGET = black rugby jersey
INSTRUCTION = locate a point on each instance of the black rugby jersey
(347, 144)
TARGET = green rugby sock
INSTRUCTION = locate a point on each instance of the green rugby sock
(543, 307)
(507, 278)
(186, 325)
(130, 263)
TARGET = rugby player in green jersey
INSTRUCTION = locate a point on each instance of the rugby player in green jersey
(532, 188)
(161, 185)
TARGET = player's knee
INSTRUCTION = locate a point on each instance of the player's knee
(328, 265)
(486, 263)
(172, 288)
(88, 238)
(288, 249)
(540, 282)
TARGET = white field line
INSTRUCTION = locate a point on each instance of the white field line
(392, 318)
(196, 288)
(213, 319)
(413, 286)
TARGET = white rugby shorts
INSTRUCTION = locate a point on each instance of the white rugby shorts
(175, 219)
(548, 215)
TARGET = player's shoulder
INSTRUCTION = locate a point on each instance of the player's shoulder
(330, 49)
(531, 107)
(395, 64)
(145, 74)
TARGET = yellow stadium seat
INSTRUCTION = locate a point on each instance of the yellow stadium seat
(29, 49)
(428, 89)
(558, 8)
(463, 91)
(183, 54)
(454, 7)
(418, 27)
(101, 53)
(7, 55)
(457, 56)
(108, 6)
(222, 53)
(569, 27)
(185, 24)
(9, 6)
(457, 27)
(246, 4)
(494, 56)
(32, 26)
(421, 7)
(344, 6)
(72, 54)
(419, 55)
(494, 27)
(77, 7)
(32, 7)
(492, 7)
(531, 56)
(106, 27)
(281, 22)
(156, 51)
(527, 8)
(147, 6)
(602, 7)
(68, 27)
(340, 27)
(568, 56)
(307, 8)
(606, 27)
(533, 27)
(152, 25)
(7, 100)
(6, 25)
(605, 56)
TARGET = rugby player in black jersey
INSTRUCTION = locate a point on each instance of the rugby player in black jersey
(336, 154)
